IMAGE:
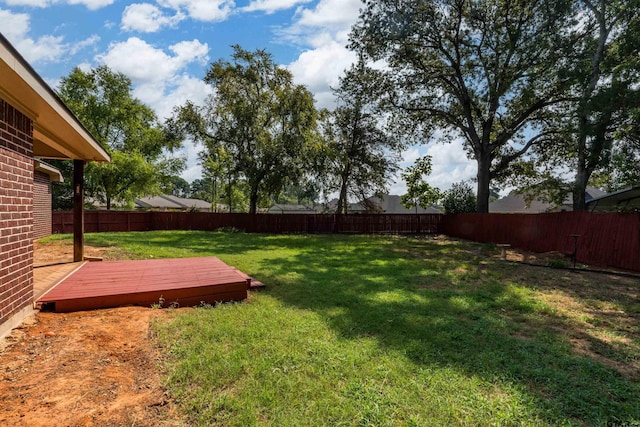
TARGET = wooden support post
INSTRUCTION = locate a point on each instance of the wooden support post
(78, 210)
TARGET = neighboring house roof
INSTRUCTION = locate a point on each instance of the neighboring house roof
(285, 208)
(54, 174)
(392, 204)
(623, 200)
(165, 201)
(389, 203)
(515, 203)
(157, 202)
(188, 203)
(332, 205)
(57, 133)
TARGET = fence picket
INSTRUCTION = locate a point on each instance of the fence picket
(606, 239)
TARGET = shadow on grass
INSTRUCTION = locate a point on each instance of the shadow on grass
(439, 304)
(444, 305)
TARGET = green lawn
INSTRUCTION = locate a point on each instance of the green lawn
(367, 330)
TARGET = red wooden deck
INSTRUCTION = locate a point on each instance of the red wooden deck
(179, 281)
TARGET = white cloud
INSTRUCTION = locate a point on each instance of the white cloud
(31, 3)
(324, 30)
(146, 18)
(449, 165)
(409, 156)
(14, 26)
(338, 14)
(271, 6)
(90, 4)
(44, 49)
(165, 96)
(144, 63)
(319, 69)
(161, 80)
(83, 44)
(201, 10)
(47, 48)
(194, 168)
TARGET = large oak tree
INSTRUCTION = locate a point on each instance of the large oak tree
(483, 70)
(600, 122)
(261, 118)
(138, 144)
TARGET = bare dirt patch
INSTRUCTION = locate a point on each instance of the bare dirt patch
(93, 368)
(62, 251)
(596, 312)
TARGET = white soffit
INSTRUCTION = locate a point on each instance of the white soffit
(57, 133)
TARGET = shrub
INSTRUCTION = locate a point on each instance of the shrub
(459, 199)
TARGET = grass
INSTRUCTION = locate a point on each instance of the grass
(385, 331)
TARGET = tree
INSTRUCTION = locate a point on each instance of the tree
(305, 192)
(485, 70)
(600, 120)
(62, 192)
(127, 176)
(201, 189)
(419, 192)
(220, 170)
(177, 186)
(259, 116)
(359, 155)
(459, 199)
(127, 128)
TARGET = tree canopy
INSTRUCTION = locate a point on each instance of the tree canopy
(259, 116)
(487, 71)
(419, 191)
(128, 129)
(459, 199)
(598, 123)
(359, 154)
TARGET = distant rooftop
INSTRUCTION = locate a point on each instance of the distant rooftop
(165, 201)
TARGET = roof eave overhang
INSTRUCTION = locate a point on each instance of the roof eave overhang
(54, 174)
(57, 133)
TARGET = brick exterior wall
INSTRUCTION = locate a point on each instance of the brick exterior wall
(16, 211)
(41, 205)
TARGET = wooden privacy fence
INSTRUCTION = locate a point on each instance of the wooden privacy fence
(110, 221)
(605, 239)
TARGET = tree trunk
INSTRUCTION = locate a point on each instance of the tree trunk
(214, 195)
(484, 179)
(342, 200)
(582, 174)
(108, 203)
(579, 190)
(253, 200)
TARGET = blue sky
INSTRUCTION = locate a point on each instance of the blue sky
(166, 46)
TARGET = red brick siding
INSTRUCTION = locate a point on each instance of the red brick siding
(41, 205)
(16, 130)
(16, 211)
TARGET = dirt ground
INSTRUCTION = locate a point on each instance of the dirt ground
(92, 368)
(58, 252)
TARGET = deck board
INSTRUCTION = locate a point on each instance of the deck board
(176, 281)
